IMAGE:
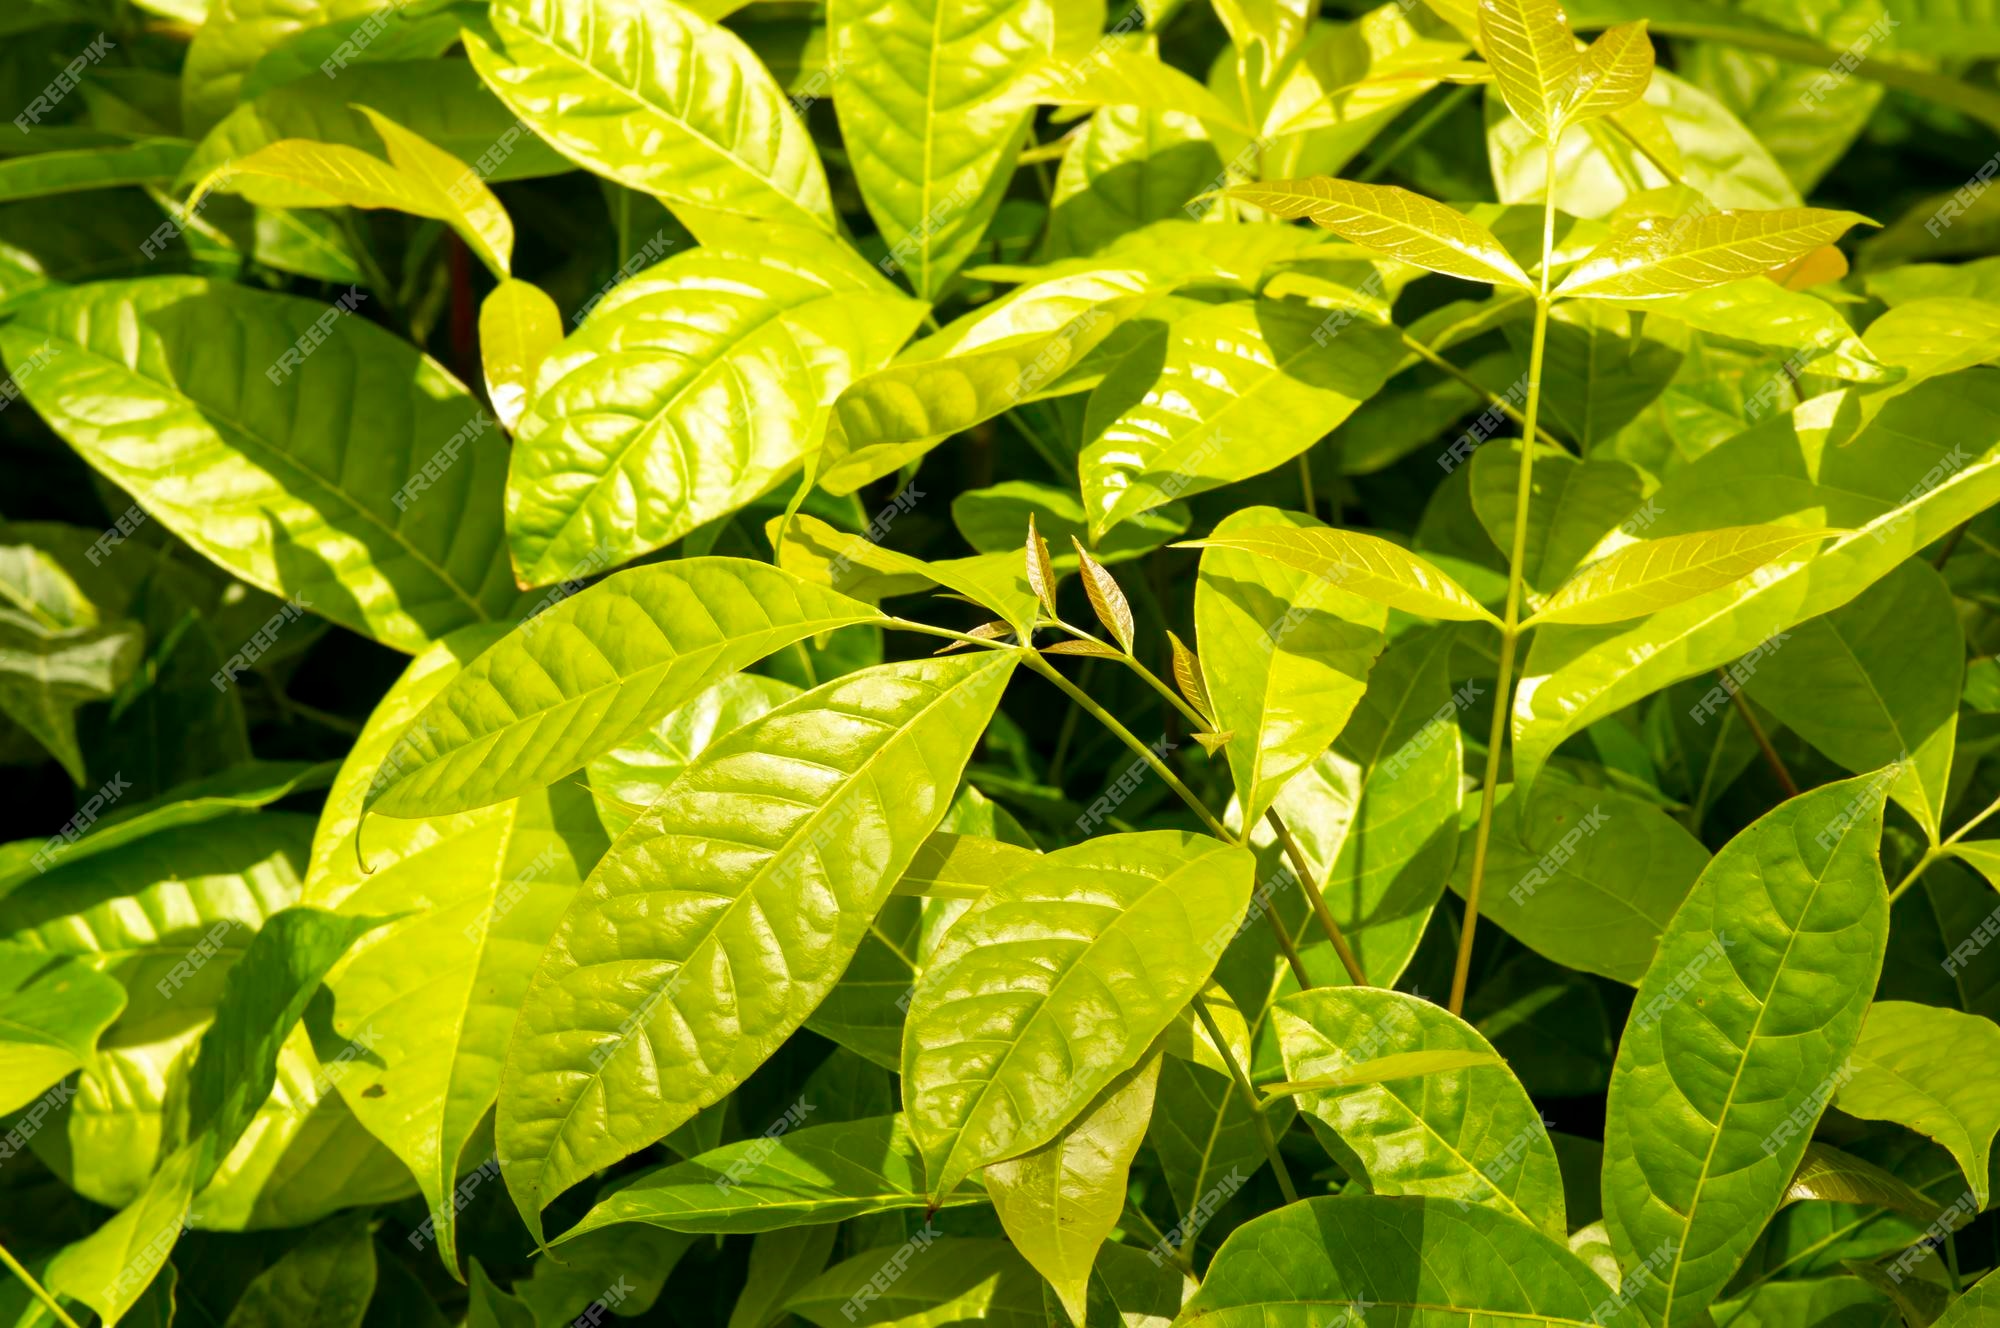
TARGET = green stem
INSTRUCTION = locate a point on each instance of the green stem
(1300, 867)
(1493, 399)
(1771, 757)
(1510, 623)
(1942, 850)
(1306, 481)
(1257, 1117)
(1034, 660)
(41, 1293)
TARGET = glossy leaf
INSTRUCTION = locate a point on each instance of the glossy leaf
(770, 855)
(1236, 389)
(519, 325)
(1113, 936)
(323, 1282)
(931, 146)
(1286, 656)
(1535, 62)
(515, 720)
(808, 1174)
(356, 488)
(691, 389)
(678, 107)
(1932, 1070)
(51, 1013)
(1366, 565)
(1758, 988)
(1416, 1259)
(1613, 72)
(1649, 575)
(1059, 1202)
(631, 778)
(1656, 257)
(1468, 1133)
(1392, 221)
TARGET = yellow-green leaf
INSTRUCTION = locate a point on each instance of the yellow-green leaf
(518, 326)
(1392, 221)
(1654, 257)
(1534, 58)
(1616, 69)
(1370, 567)
(1650, 575)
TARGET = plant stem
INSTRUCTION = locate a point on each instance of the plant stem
(1182, 1259)
(1414, 134)
(1306, 481)
(1771, 757)
(1303, 871)
(1300, 867)
(1493, 399)
(1257, 1117)
(1942, 850)
(1510, 623)
(41, 1293)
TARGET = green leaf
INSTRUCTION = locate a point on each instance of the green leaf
(692, 389)
(781, 1263)
(1114, 935)
(48, 173)
(1376, 815)
(981, 366)
(1646, 576)
(1761, 980)
(263, 998)
(519, 325)
(1826, 1173)
(325, 1281)
(1846, 1302)
(931, 144)
(1874, 683)
(1536, 65)
(52, 1011)
(1936, 336)
(1366, 565)
(1975, 1306)
(483, 891)
(1059, 1202)
(1236, 389)
(1467, 1133)
(441, 99)
(46, 674)
(931, 1279)
(1612, 74)
(419, 178)
(658, 99)
(1285, 655)
(631, 778)
(622, 1271)
(756, 874)
(799, 1176)
(307, 482)
(1898, 482)
(237, 35)
(592, 673)
(1658, 256)
(1572, 506)
(1760, 310)
(1419, 1260)
(1392, 221)
(110, 1269)
(1585, 876)
(1934, 1071)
